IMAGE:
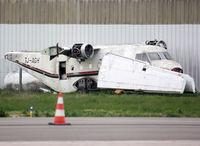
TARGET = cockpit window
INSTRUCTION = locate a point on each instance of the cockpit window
(138, 56)
(53, 50)
(142, 57)
(154, 56)
(167, 56)
(145, 58)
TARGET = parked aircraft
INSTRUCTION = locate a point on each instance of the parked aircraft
(146, 67)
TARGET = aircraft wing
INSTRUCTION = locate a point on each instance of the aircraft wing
(118, 72)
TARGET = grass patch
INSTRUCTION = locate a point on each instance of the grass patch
(100, 104)
(3, 112)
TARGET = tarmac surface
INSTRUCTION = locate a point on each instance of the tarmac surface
(101, 131)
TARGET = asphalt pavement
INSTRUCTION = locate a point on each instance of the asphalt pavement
(117, 131)
(100, 129)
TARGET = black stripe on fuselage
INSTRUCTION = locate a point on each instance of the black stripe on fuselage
(82, 75)
(38, 70)
(56, 76)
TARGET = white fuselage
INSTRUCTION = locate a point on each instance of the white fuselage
(62, 72)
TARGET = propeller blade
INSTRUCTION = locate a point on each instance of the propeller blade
(57, 49)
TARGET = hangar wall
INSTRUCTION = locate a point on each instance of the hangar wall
(37, 24)
(100, 11)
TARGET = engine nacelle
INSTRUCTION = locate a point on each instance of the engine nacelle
(160, 43)
(82, 51)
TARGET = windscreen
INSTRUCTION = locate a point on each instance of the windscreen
(142, 57)
(167, 56)
(154, 56)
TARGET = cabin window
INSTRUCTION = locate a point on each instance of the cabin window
(145, 58)
(138, 56)
(167, 56)
(142, 57)
(53, 51)
(154, 56)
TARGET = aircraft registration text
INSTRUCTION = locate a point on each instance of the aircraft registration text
(32, 60)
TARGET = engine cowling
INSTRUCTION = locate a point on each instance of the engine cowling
(82, 51)
(160, 43)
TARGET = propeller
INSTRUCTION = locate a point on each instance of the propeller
(59, 50)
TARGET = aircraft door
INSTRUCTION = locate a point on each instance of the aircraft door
(62, 70)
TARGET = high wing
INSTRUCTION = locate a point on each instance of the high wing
(118, 72)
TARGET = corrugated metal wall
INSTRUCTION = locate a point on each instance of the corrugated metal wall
(37, 24)
(100, 11)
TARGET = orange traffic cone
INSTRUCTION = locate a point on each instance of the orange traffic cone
(59, 118)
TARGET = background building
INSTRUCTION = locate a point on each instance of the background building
(38, 24)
